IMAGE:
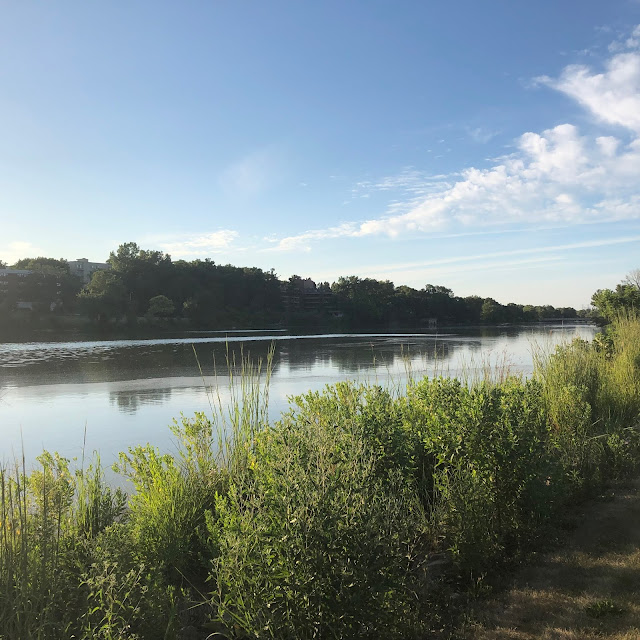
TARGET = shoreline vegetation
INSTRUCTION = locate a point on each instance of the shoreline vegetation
(145, 291)
(363, 512)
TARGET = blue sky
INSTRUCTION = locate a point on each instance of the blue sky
(493, 148)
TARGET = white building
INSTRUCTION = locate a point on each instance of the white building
(85, 269)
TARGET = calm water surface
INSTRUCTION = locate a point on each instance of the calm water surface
(127, 392)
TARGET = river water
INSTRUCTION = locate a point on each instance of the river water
(110, 395)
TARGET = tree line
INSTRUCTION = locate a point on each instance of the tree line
(148, 284)
(609, 303)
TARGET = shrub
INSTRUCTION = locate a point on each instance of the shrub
(315, 541)
(167, 510)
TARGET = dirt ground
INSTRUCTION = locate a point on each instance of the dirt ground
(588, 588)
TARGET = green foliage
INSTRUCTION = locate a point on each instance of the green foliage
(49, 522)
(172, 494)
(489, 467)
(210, 295)
(610, 303)
(603, 608)
(42, 264)
(314, 541)
(97, 505)
(49, 287)
(368, 411)
(147, 281)
(105, 296)
(161, 307)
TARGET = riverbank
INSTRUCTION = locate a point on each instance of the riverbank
(587, 588)
(362, 511)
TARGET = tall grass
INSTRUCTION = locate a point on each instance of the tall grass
(350, 517)
(47, 519)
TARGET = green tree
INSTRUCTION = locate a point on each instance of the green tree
(43, 265)
(440, 302)
(364, 301)
(50, 285)
(144, 273)
(105, 297)
(609, 303)
(161, 307)
(491, 311)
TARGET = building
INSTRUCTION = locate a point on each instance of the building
(85, 269)
(301, 295)
(12, 283)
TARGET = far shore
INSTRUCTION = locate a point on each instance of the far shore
(70, 331)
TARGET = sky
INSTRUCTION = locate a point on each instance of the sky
(490, 147)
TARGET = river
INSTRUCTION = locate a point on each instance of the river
(110, 395)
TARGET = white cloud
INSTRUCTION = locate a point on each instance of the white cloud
(469, 263)
(301, 242)
(557, 176)
(608, 145)
(613, 95)
(409, 181)
(200, 245)
(554, 176)
(630, 42)
(13, 251)
(425, 275)
(481, 135)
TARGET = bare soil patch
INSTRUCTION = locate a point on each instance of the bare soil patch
(588, 588)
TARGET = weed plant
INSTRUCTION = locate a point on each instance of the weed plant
(350, 517)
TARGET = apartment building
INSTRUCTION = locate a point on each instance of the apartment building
(85, 269)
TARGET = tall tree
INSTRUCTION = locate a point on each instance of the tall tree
(144, 273)
(608, 303)
(50, 285)
(633, 278)
(44, 265)
(105, 297)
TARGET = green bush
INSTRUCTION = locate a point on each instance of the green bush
(492, 481)
(315, 541)
(172, 494)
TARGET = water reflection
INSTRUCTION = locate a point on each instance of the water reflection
(127, 392)
(129, 401)
(361, 356)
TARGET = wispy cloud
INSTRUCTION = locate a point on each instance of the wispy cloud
(557, 176)
(427, 274)
(481, 135)
(419, 276)
(473, 262)
(626, 41)
(301, 242)
(199, 245)
(409, 180)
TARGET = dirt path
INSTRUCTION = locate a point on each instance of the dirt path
(588, 589)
